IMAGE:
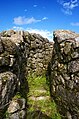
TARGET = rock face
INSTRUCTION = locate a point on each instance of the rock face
(13, 85)
(63, 73)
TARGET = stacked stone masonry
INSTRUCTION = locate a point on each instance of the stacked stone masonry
(40, 52)
(20, 53)
(13, 84)
(63, 73)
(39, 49)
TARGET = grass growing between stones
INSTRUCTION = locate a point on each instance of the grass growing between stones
(39, 101)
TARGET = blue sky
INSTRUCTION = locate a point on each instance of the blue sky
(40, 16)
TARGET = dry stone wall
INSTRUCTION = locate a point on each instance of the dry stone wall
(21, 53)
(39, 50)
(13, 84)
(63, 73)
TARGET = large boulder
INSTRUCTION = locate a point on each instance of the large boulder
(63, 73)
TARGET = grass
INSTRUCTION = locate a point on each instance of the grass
(40, 108)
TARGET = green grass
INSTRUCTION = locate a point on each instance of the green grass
(40, 109)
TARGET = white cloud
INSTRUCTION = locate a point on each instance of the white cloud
(70, 5)
(44, 18)
(75, 24)
(67, 7)
(23, 20)
(74, 1)
(43, 33)
(67, 11)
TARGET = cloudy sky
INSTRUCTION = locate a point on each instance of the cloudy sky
(40, 16)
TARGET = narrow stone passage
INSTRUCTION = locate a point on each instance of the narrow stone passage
(39, 101)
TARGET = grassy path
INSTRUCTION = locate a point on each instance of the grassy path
(40, 105)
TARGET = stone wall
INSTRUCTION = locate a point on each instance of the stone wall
(13, 84)
(39, 50)
(63, 73)
(21, 53)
